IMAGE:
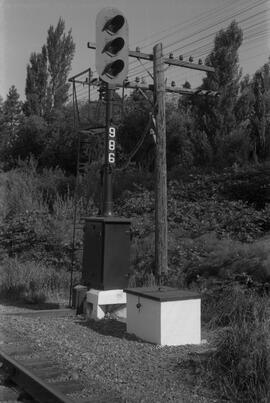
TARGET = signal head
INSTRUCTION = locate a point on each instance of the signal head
(111, 46)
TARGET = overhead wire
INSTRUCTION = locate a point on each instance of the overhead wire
(196, 19)
(243, 11)
(182, 27)
(207, 48)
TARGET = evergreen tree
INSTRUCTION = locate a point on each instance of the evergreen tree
(12, 112)
(11, 118)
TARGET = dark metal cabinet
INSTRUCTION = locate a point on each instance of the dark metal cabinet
(106, 253)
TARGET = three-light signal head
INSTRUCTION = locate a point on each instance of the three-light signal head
(111, 46)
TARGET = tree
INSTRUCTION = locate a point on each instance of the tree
(216, 117)
(1, 120)
(131, 133)
(12, 112)
(31, 138)
(257, 118)
(60, 51)
(10, 121)
(1, 112)
(36, 84)
(47, 72)
(252, 110)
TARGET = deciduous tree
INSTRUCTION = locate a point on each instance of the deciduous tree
(60, 51)
(216, 117)
(36, 84)
(47, 72)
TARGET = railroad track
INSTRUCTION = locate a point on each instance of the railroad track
(27, 375)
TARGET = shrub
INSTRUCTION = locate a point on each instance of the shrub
(241, 365)
(227, 259)
(32, 281)
(131, 179)
(54, 184)
(21, 193)
(38, 215)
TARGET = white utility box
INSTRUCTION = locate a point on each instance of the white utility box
(99, 301)
(164, 315)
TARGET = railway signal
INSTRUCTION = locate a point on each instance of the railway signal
(111, 46)
(112, 56)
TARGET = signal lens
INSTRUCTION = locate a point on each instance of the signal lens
(113, 69)
(113, 47)
(113, 25)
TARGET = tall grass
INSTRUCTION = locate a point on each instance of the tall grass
(35, 233)
(31, 281)
(240, 367)
(21, 194)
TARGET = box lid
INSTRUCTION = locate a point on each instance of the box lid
(163, 293)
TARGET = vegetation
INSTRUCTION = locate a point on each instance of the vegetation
(218, 197)
(240, 367)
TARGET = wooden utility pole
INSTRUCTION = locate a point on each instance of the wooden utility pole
(161, 228)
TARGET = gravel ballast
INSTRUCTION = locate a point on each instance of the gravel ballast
(108, 361)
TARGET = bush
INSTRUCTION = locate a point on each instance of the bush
(21, 193)
(240, 367)
(227, 260)
(37, 216)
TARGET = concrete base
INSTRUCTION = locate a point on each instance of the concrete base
(99, 303)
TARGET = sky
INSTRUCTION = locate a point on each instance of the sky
(185, 27)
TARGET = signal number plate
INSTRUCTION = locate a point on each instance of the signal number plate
(111, 145)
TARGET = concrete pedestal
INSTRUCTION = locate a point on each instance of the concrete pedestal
(164, 315)
(99, 302)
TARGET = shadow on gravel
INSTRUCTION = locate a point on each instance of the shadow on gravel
(109, 327)
(33, 306)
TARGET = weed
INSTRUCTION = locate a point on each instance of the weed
(31, 281)
(240, 367)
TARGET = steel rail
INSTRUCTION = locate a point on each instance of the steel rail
(42, 392)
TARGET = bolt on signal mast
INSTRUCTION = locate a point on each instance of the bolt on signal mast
(111, 46)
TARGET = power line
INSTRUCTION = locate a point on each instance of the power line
(208, 15)
(198, 32)
(136, 69)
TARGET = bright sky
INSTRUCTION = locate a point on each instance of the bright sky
(184, 26)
